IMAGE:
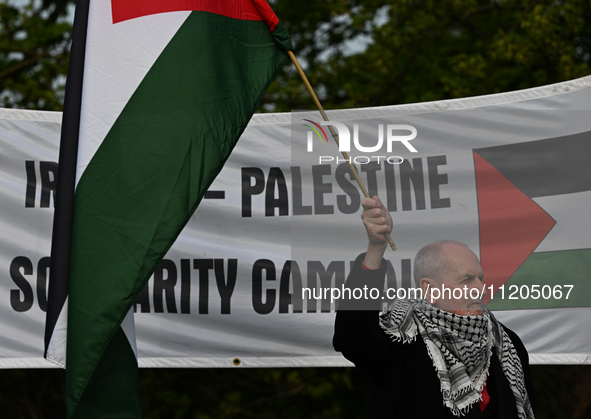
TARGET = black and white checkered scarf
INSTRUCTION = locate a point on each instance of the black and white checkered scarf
(460, 348)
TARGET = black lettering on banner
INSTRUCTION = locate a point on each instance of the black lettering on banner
(321, 188)
(372, 179)
(276, 178)
(248, 189)
(260, 266)
(412, 174)
(48, 171)
(42, 281)
(350, 188)
(166, 282)
(316, 270)
(164, 286)
(21, 299)
(31, 184)
(48, 174)
(203, 265)
(186, 286)
(408, 172)
(412, 177)
(226, 286)
(390, 186)
(296, 188)
(143, 299)
(291, 270)
(436, 180)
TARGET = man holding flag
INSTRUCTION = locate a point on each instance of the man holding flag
(437, 357)
(158, 94)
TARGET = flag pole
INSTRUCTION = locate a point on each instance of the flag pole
(332, 131)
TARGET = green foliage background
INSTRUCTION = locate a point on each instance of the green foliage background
(356, 54)
(34, 48)
(287, 393)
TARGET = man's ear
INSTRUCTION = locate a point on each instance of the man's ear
(427, 285)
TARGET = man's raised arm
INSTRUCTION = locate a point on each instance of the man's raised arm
(377, 222)
(357, 330)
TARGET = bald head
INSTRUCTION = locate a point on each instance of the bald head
(432, 260)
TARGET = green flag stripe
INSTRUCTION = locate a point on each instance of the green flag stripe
(547, 271)
(102, 397)
(154, 166)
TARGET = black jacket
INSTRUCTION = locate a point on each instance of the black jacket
(402, 380)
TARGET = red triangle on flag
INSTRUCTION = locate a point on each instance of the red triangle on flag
(511, 225)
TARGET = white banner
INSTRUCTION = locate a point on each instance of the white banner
(505, 174)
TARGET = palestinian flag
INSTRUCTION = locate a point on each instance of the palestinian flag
(158, 94)
(532, 198)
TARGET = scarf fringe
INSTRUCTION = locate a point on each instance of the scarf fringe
(397, 337)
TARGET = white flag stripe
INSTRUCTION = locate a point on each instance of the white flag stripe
(128, 326)
(118, 58)
(572, 213)
(56, 350)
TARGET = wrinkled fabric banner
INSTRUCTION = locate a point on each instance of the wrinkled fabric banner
(504, 174)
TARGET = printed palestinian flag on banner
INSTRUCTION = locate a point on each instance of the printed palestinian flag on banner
(532, 200)
(158, 94)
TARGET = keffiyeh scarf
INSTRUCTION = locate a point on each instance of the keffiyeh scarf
(460, 348)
